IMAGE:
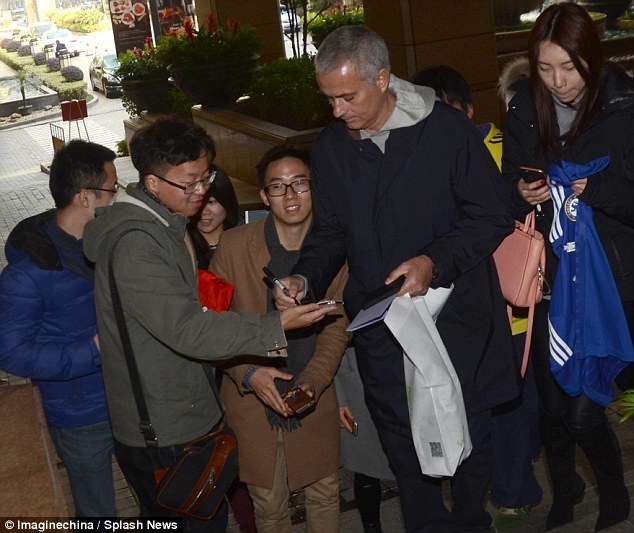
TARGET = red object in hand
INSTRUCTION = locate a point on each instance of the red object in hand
(215, 293)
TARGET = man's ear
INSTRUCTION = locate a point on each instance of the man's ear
(83, 198)
(151, 183)
(383, 79)
(264, 198)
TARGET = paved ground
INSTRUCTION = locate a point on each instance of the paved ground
(24, 192)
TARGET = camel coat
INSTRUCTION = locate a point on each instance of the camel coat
(312, 451)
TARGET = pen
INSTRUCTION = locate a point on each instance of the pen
(278, 283)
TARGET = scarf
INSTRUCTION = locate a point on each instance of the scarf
(589, 338)
(301, 343)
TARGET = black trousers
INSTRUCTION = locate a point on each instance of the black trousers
(578, 413)
(380, 362)
(138, 465)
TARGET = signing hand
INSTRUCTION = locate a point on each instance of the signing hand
(536, 192)
(418, 273)
(296, 291)
(262, 383)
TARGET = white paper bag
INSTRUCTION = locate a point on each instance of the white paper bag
(437, 413)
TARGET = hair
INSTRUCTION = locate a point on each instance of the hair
(449, 84)
(570, 27)
(77, 165)
(359, 45)
(167, 143)
(222, 190)
(275, 154)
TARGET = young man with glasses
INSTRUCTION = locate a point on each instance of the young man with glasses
(279, 452)
(48, 327)
(171, 335)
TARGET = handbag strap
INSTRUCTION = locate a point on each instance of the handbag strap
(527, 343)
(145, 425)
(529, 224)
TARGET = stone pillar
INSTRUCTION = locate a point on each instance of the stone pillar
(263, 15)
(459, 33)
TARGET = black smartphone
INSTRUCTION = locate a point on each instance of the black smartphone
(530, 174)
(375, 296)
(300, 402)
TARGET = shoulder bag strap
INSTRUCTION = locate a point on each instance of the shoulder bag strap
(151, 440)
(145, 425)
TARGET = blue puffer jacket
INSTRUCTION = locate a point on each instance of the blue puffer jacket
(47, 325)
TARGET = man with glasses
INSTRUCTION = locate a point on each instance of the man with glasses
(154, 266)
(48, 327)
(278, 452)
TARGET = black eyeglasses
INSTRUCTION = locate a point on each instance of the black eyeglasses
(279, 189)
(190, 188)
(113, 190)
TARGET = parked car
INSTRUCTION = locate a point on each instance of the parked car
(38, 29)
(66, 37)
(286, 18)
(101, 74)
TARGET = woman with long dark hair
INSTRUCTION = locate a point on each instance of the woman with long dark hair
(574, 118)
(219, 211)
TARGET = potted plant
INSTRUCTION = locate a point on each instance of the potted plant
(144, 79)
(284, 107)
(286, 92)
(332, 18)
(26, 79)
(212, 65)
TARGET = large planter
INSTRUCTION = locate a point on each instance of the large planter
(215, 85)
(242, 140)
(148, 95)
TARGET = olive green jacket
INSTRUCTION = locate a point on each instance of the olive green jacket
(170, 332)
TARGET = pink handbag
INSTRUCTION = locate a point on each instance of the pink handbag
(521, 261)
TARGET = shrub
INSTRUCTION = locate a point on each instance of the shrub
(39, 58)
(53, 64)
(72, 73)
(80, 20)
(71, 91)
(285, 92)
(334, 17)
(122, 148)
(5, 42)
(24, 50)
(12, 46)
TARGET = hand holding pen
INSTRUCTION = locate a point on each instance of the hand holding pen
(281, 286)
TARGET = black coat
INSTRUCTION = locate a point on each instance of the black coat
(433, 192)
(610, 193)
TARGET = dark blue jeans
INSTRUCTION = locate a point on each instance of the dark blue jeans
(87, 455)
(516, 441)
